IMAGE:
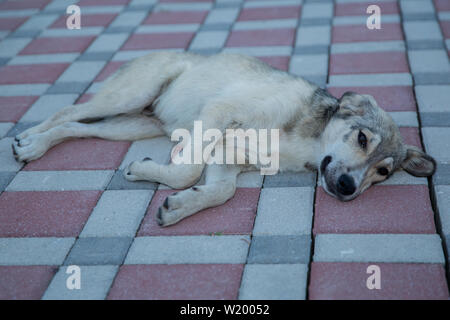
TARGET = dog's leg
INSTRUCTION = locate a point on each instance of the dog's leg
(220, 186)
(127, 127)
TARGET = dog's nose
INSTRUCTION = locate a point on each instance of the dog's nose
(325, 162)
(346, 185)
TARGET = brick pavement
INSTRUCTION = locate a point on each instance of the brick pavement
(280, 237)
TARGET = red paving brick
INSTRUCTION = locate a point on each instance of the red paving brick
(290, 12)
(84, 98)
(88, 20)
(368, 62)
(411, 136)
(23, 4)
(108, 70)
(380, 209)
(269, 37)
(359, 9)
(11, 24)
(393, 98)
(281, 62)
(13, 108)
(25, 282)
(356, 33)
(45, 213)
(175, 17)
(236, 216)
(31, 73)
(57, 45)
(442, 5)
(445, 27)
(102, 2)
(82, 154)
(336, 280)
(158, 41)
(177, 282)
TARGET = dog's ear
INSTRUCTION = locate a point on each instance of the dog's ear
(418, 163)
(352, 103)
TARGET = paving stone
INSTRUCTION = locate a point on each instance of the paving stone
(99, 251)
(416, 6)
(280, 249)
(222, 16)
(367, 80)
(435, 119)
(262, 51)
(355, 33)
(68, 87)
(338, 281)
(128, 18)
(209, 39)
(359, 8)
(216, 27)
(175, 17)
(108, 42)
(5, 127)
(267, 13)
(396, 248)
(38, 73)
(236, 216)
(274, 37)
(427, 78)
(368, 62)
(284, 211)
(48, 105)
(5, 179)
(442, 174)
(405, 118)
(25, 282)
(12, 46)
(87, 20)
(274, 282)
(60, 180)
(428, 61)
(38, 22)
(34, 251)
(439, 148)
(58, 45)
(158, 41)
(157, 148)
(44, 59)
(316, 64)
(433, 98)
(117, 214)
(96, 56)
(313, 35)
(7, 161)
(182, 281)
(368, 47)
(290, 179)
(189, 249)
(45, 213)
(82, 71)
(425, 44)
(380, 209)
(316, 49)
(401, 177)
(443, 205)
(23, 89)
(20, 127)
(252, 179)
(118, 182)
(95, 282)
(311, 10)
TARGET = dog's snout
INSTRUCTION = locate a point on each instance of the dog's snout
(325, 162)
(346, 185)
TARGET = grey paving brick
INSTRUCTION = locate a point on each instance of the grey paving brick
(428, 61)
(23, 89)
(405, 118)
(20, 127)
(433, 98)
(280, 249)
(274, 282)
(24, 34)
(95, 282)
(48, 105)
(189, 249)
(167, 28)
(34, 251)
(368, 46)
(12, 46)
(418, 16)
(364, 80)
(5, 179)
(315, 22)
(309, 64)
(271, 3)
(99, 251)
(443, 204)
(121, 29)
(427, 78)
(83, 32)
(68, 87)
(118, 182)
(59, 5)
(290, 179)
(157, 148)
(108, 42)
(261, 51)
(265, 24)
(308, 50)
(313, 10)
(320, 80)
(129, 19)
(60, 180)
(5, 127)
(396, 248)
(216, 27)
(425, 44)
(97, 56)
(209, 39)
(252, 179)
(142, 2)
(44, 58)
(7, 161)
(222, 16)
(435, 119)
(38, 22)
(438, 148)
(193, 6)
(284, 211)
(4, 61)
(442, 174)
(362, 20)
(118, 213)
(81, 71)
(416, 6)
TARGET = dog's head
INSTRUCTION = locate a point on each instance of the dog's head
(361, 145)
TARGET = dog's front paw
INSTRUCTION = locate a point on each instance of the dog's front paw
(134, 171)
(171, 211)
(30, 148)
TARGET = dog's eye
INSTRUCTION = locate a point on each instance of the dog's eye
(362, 140)
(382, 171)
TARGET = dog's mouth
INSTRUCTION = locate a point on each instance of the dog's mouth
(343, 187)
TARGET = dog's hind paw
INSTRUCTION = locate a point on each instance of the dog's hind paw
(170, 212)
(30, 148)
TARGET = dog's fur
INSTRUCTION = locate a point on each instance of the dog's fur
(163, 91)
